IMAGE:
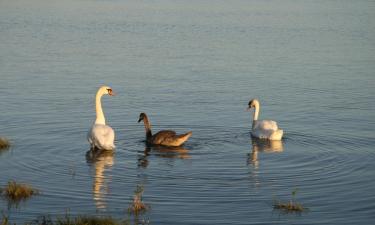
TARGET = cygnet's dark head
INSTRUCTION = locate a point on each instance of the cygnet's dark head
(141, 117)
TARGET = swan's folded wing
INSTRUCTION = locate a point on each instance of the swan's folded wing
(162, 135)
(175, 140)
(103, 136)
(266, 125)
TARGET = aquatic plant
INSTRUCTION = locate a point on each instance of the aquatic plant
(4, 220)
(4, 143)
(291, 206)
(89, 220)
(16, 192)
(68, 220)
(137, 206)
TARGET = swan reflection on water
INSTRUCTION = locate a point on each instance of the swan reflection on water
(263, 145)
(164, 152)
(102, 160)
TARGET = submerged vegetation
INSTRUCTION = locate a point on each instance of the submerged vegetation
(89, 220)
(4, 143)
(290, 206)
(15, 192)
(4, 220)
(80, 220)
(67, 220)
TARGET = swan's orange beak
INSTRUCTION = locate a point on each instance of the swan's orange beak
(111, 93)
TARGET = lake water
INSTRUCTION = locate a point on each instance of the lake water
(191, 65)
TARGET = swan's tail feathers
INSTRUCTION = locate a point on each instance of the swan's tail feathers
(98, 146)
(277, 135)
(107, 146)
(184, 137)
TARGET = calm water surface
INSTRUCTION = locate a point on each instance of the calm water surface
(191, 65)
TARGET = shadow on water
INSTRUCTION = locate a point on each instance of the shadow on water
(164, 152)
(101, 161)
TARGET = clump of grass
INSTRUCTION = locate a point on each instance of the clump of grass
(16, 192)
(291, 206)
(79, 220)
(4, 220)
(137, 206)
(4, 143)
(89, 220)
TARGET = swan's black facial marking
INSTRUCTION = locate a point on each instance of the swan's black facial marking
(110, 92)
(251, 103)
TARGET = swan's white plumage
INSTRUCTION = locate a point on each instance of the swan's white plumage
(264, 129)
(101, 136)
(266, 125)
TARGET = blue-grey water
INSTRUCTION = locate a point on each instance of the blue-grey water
(191, 65)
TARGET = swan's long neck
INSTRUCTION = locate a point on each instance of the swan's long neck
(147, 128)
(100, 119)
(256, 112)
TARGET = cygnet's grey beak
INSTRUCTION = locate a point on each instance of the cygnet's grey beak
(140, 119)
(248, 109)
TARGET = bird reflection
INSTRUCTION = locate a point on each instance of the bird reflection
(102, 160)
(260, 145)
(265, 146)
(164, 152)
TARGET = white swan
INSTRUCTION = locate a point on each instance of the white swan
(263, 129)
(101, 136)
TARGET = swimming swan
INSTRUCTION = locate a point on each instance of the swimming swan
(163, 137)
(101, 136)
(263, 129)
